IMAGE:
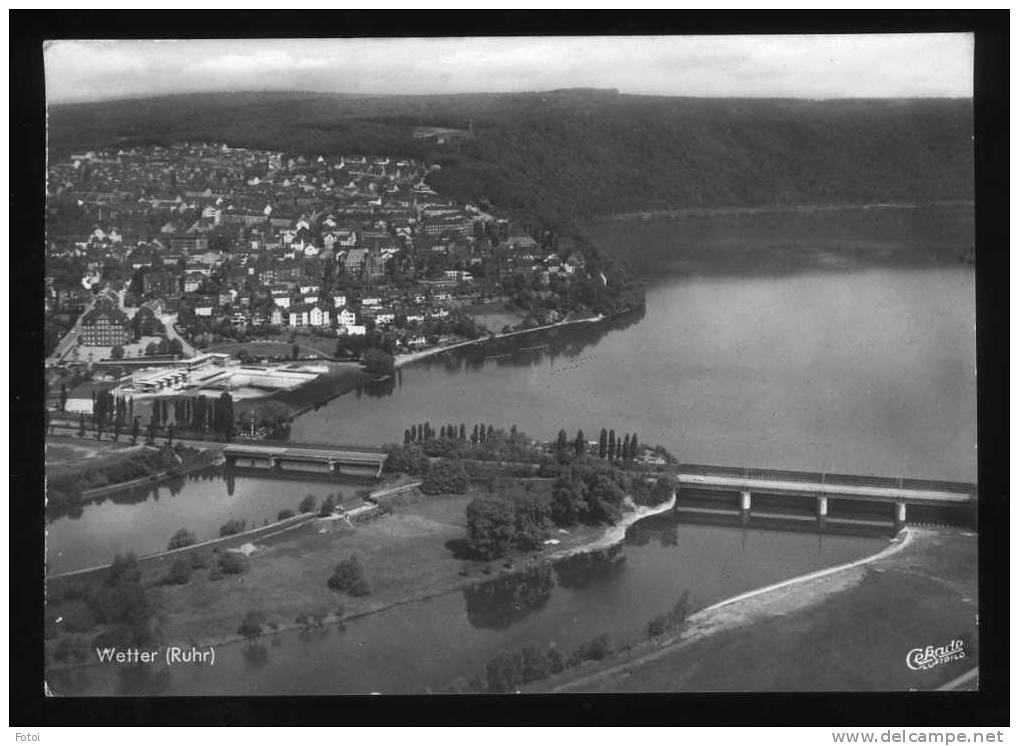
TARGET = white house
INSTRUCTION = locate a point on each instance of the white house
(346, 317)
(339, 301)
(299, 316)
(281, 298)
(355, 330)
(319, 317)
(276, 317)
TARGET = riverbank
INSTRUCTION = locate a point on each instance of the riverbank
(78, 472)
(408, 557)
(205, 460)
(680, 212)
(410, 357)
(845, 628)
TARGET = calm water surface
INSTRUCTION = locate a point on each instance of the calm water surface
(142, 521)
(869, 372)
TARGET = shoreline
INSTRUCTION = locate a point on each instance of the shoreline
(608, 537)
(152, 479)
(615, 534)
(410, 357)
(681, 212)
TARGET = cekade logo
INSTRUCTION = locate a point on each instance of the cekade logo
(921, 659)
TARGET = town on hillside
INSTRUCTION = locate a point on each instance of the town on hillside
(169, 250)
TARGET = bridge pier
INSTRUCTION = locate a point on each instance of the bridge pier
(900, 514)
(744, 501)
(822, 506)
(334, 467)
(275, 462)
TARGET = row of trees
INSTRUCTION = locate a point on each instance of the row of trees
(108, 412)
(425, 432)
(107, 408)
(609, 447)
(486, 443)
(196, 413)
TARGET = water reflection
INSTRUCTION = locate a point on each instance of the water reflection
(582, 570)
(663, 527)
(499, 603)
(136, 495)
(557, 346)
(379, 388)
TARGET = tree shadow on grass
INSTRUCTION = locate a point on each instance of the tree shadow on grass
(461, 550)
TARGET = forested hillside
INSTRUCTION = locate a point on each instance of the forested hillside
(562, 157)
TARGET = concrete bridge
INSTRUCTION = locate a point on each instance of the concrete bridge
(335, 457)
(820, 488)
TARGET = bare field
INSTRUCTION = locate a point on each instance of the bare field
(493, 315)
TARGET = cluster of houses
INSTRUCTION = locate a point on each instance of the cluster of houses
(240, 239)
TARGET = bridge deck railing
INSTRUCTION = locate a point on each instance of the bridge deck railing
(718, 471)
(931, 484)
(785, 475)
(848, 480)
(361, 448)
(859, 480)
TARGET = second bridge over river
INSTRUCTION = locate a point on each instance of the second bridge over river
(892, 498)
(338, 459)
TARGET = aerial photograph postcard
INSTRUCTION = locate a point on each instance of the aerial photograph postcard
(508, 364)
